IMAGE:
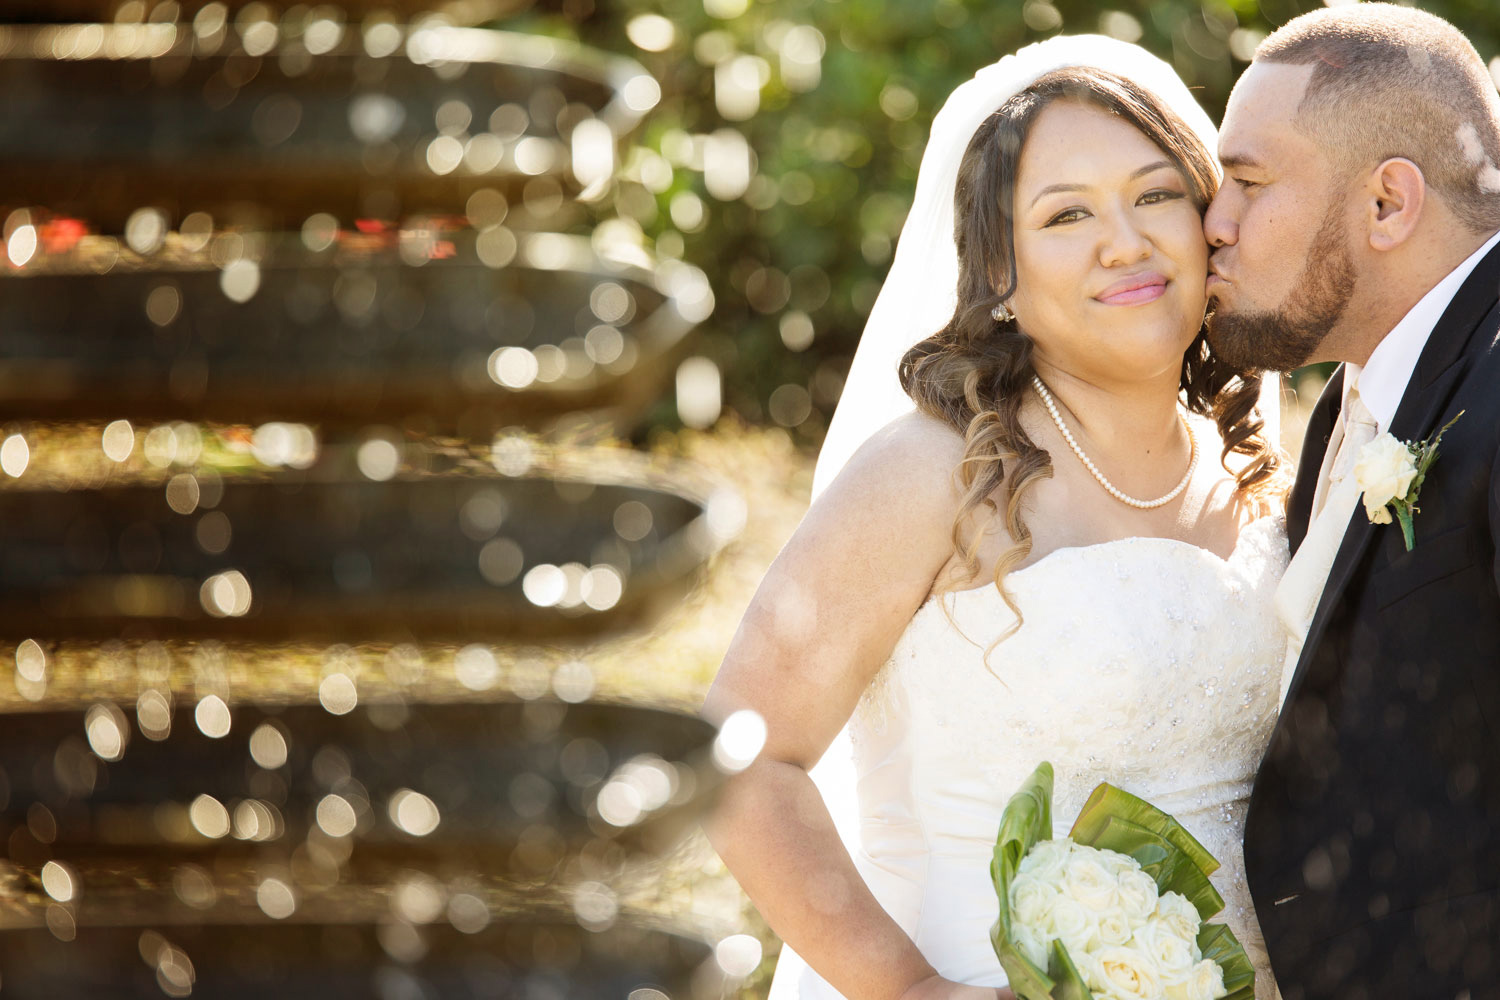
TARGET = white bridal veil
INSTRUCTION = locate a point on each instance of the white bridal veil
(921, 292)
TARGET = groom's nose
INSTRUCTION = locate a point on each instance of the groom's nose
(1220, 227)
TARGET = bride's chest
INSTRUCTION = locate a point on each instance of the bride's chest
(1129, 657)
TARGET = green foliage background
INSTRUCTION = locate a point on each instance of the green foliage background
(835, 165)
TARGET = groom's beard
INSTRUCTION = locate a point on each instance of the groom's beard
(1288, 337)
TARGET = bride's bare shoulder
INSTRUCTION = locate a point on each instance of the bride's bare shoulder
(914, 455)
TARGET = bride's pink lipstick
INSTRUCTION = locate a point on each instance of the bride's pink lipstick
(1135, 290)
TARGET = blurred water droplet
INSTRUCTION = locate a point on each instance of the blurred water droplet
(738, 955)
(319, 232)
(619, 803)
(163, 303)
(213, 717)
(153, 714)
(468, 913)
(699, 400)
(530, 679)
(118, 440)
(545, 585)
(21, 246)
(182, 493)
(404, 664)
(31, 661)
(378, 459)
(107, 730)
(15, 455)
(513, 367)
(213, 532)
(145, 230)
(336, 816)
(573, 682)
(268, 746)
(595, 906)
(500, 561)
(194, 887)
(240, 280)
(276, 899)
(418, 898)
(58, 881)
(61, 923)
(209, 817)
(196, 230)
(225, 595)
(739, 741)
(338, 694)
(413, 812)
(401, 941)
(382, 39)
(476, 668)
(444, 154)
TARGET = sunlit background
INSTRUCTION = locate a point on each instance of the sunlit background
(399, 402)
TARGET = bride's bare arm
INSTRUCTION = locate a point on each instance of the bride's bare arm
(822, 623)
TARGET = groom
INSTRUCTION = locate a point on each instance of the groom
(1358, 223)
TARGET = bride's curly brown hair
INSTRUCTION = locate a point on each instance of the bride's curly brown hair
(973, 373)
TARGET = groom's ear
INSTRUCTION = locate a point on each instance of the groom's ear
(1394, 194)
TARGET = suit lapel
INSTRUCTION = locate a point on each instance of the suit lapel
(1438, 370)
(1314, 444)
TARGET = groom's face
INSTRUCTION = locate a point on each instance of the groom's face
(1281, 273)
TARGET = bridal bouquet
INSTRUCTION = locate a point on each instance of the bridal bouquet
(1113, 911)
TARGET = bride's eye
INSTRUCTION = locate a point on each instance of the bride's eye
(1160, 195)
(1066, 216)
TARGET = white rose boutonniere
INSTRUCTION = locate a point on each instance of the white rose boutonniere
(1390, 473)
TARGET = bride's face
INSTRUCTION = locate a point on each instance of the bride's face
(1110, 256)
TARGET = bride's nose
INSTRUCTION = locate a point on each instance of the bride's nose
(1122, 241)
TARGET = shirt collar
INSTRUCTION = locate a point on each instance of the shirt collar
(1382, 379)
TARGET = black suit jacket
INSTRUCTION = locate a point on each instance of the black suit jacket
(1372, 843)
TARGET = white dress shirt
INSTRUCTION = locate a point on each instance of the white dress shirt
(1382, 379)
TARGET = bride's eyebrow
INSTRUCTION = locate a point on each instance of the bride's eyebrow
(1142, 172)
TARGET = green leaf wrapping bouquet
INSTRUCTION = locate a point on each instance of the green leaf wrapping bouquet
(1113, 911)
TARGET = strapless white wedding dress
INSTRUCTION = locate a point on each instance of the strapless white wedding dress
(1145, 662)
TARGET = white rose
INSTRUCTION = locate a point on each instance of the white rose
(1205, 981)
(1180, 916)
(1031, 944)
(1113, 861)
(1384, 471)
(1125, 973)
(1086, 881)
(1031, 902)
(1114, 929)
(1138, 895)
(1174, 955)
(1072, 925)
(1046, 859)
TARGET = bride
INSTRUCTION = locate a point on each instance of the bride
(1067, 552)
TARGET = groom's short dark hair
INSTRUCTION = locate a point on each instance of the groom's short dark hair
(1392, 81)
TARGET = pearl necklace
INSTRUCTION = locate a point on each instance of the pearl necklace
(1051, 405)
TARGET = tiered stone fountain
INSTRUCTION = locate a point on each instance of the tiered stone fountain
(332, 228)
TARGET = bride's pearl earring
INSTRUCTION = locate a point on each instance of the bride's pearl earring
(1002, 314)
